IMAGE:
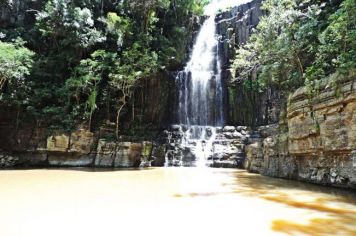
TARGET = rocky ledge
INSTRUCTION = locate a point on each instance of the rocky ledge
(316, 143)
(82, 148)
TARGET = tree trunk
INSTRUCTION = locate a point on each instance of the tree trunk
(18, 117)
(118, 120)
(133, 110)
(2, 83)
(90, 117)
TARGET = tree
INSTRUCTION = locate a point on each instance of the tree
(92, 54)
(15, 63)
(336, 52)
(145, 9)
(86, 78)
(284, 45)
(136, 63)
(67, 33)
(65, 24)
(118, 27)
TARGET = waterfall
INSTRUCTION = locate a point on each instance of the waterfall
(200, 101)
(199, 138)
(199, 84)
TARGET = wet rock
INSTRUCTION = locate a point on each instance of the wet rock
(159, 155)
(146, 154)
(229, 129)
(184, 128)
(69, 159)
(34, 158)
(210, 143)
(237, 135)
(209, 132)
(241, 128)
(176, 128)
(228, 135)
(219, 130)
(8, 161)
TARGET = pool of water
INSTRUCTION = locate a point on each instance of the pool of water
(169, 201)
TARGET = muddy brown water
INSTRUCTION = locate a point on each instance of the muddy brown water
(169, 201)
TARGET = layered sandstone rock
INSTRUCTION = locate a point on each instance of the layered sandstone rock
(122, 154)
(59, 143)
(70, 150)
(320, 144)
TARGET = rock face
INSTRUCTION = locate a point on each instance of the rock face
(235, 27)
(154, 100)
(122, 154)
(73, 150)
(80, 149)
(244, 107)
(320, 143)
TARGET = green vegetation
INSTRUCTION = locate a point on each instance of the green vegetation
(299, 43)
(85, 61)
(16, 63)
(89, 56)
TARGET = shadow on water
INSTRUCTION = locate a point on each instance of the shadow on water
(337, 205)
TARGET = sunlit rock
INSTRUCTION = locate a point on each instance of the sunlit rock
(229, 129)
(319, 144)
(59, 143)
(120, 154)
(81, 141)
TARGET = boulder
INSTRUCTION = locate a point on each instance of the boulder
(229, 129)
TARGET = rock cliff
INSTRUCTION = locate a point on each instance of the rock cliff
(244, 107)
(80, 148)
(317, 142)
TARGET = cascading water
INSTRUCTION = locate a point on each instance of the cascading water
(199, 138)
(200, 102)
(199, 84)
